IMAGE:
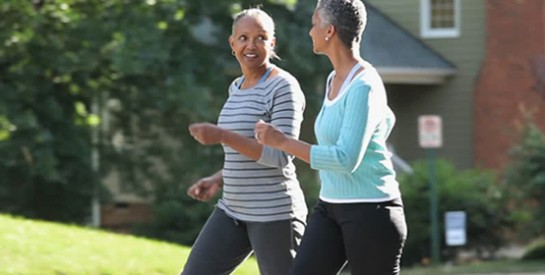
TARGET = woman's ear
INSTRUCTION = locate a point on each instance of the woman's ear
(331, 30)
(273, 43)
(231, 41)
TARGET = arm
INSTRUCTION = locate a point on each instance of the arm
(346, 155)
(208, 134)
(287, 107)
(205, 188)
(275, 138)
(361, 116)
(246, 146)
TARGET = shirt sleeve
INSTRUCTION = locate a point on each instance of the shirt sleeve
(287, 105)
(361, 116)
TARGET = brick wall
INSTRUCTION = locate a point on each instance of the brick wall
(512, 78)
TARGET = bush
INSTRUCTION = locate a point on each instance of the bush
(472, 191)
(173, 223)
(526, 181)
(536, 251)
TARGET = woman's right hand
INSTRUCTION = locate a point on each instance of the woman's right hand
(204, 189)
(267, 134)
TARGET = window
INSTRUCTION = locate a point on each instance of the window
(440, 18)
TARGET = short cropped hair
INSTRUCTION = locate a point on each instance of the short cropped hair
(349, 17)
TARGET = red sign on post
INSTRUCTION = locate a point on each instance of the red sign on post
(430, 131)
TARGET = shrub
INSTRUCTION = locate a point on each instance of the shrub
(535, 251)
(473, 191)
(525, 178)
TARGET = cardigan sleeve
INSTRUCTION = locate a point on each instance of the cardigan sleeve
(361, 116)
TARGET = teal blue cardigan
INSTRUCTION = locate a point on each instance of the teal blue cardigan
(352, 158)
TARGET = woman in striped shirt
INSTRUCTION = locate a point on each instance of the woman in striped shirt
(262, 208)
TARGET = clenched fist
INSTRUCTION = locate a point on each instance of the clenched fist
(206, 133)
(204, 189)
(267, 134)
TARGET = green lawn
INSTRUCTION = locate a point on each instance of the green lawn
(29, 247)
(35, 247)
(507, 267)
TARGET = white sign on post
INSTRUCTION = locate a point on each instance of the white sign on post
(455, 228)
(430, 131)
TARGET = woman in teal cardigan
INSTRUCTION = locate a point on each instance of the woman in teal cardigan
(359, 217)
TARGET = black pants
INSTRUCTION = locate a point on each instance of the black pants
(370, 236)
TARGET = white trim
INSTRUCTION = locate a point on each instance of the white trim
(400, 75)
(371, 200)
(346, 84)
(426, 31)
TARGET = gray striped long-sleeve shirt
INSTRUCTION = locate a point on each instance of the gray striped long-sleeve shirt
(266, 190)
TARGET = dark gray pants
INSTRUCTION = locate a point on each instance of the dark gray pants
(224, 243)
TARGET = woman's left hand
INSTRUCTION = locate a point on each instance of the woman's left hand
(267, 134)
(206, 133)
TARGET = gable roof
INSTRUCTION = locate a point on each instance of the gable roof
(399, 56)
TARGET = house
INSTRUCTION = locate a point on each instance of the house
(478, 64)
(429, 70)
(511, 78)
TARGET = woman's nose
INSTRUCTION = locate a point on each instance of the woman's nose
(252, 43)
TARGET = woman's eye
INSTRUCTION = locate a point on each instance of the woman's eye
(242, 38)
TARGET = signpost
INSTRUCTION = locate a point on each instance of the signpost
(430, 131)
(430, 138)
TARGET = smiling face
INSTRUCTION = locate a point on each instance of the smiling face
(318, 33)
(252, 43)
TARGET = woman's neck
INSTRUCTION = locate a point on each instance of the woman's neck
(253, 75)
(343, 61)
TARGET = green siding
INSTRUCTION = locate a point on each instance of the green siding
(405, 12)
(452, 100)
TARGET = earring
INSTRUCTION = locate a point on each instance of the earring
(233, 53)
(326, 38)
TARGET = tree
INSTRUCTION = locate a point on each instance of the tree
(525, 178)
(45, 165)
(133, 74)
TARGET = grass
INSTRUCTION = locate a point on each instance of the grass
(506, 267)
(29, 247)
(496, 267)
(35, 247)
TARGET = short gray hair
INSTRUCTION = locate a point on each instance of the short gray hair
(349, 18)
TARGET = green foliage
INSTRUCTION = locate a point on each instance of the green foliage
(45, 169)
(507, 267)
(526, 180)
(124, 79)
(472, 191)
(177, 219)
(310, 183)
(535, 251)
